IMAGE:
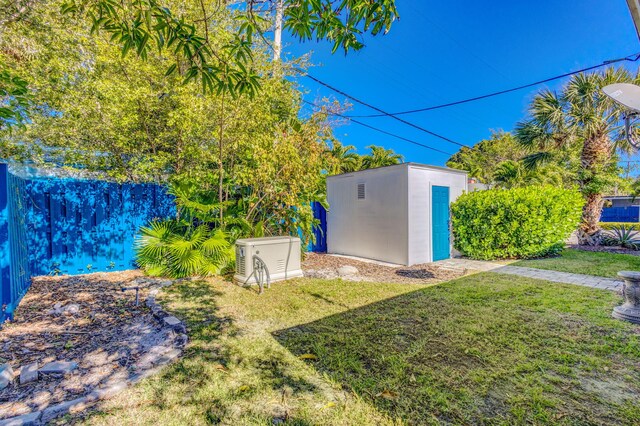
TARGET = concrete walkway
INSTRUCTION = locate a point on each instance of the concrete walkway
(540, 274)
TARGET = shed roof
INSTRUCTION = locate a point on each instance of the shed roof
(408, 164)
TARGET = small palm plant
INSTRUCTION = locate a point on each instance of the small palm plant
(195, 243)
(622, 236)
(176, 249)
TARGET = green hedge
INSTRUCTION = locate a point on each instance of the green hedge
(611, 225)
(515, 223)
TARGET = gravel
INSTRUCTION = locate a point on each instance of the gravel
(98, 340)
(317, 265)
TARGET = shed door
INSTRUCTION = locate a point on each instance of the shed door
(440, 222)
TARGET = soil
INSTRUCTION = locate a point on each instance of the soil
(105, 333)
(417, 274)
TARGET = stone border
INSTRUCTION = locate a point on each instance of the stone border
(41, 417)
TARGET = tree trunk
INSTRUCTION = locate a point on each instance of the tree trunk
(596, 153)
(220, 163)
(589, 233)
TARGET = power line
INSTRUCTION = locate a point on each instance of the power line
(380, 130)
(630, 58)
(382, 111)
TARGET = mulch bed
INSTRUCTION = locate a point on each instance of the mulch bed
(105, 334)
(417, 274)
(606, 249)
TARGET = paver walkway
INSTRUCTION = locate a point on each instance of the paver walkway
(541, 274)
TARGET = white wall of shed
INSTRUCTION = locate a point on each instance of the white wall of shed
(376, 227)
(420, 181)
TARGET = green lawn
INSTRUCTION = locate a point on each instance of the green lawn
(586, 262)
(487, 348)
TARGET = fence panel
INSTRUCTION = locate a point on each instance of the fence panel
(320, 231)
(620, 214)
(52, 226)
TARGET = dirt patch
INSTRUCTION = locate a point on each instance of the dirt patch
(417, 274)
(86, 320)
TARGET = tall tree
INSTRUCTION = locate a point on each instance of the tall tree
(342, 158)
(579, 117)
(497, 161)
(380, 157)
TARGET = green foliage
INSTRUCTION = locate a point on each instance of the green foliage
(143, 26)
(342, 159)
(14, 99)
(501, 162)
(623, 236)
(581, 119)
(515, 223)
(177, 249)
(345, 159)
(612, 225)
(380, 157)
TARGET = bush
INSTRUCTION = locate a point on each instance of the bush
(177, 249)
(515, 223)
(623, 236)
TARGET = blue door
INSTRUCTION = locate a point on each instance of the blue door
(440, 222)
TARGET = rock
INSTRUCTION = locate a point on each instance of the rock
(29, 373)
(63, 408)
(164, 283)
(71, 309)
(181, 340)
(6, 375)
(324, 274)
(171, 321)
(30, 419)
(107, 392)
(347, 270)
(59, 367)
(159, 312)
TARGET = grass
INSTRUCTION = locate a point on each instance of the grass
(487, 348)
(586, 262)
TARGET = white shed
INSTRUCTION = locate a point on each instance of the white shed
(397, 214)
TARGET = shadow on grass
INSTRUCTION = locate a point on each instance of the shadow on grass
(486, 348)
(198, 388)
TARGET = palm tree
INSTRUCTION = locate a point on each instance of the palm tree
(380, 157)
(343, 158)
(509, 174)
(579, 117)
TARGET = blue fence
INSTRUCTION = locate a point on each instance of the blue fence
(320, 231)
(69, 226)
(621, 214)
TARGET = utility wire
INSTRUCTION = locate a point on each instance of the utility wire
(630, 58)
(384, 113)
(379, 130)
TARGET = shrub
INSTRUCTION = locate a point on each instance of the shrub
(176, 249)
(515, 223)
(623, 236)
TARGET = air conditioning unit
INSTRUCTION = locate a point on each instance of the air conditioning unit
(281, 256)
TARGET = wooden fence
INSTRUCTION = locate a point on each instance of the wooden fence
(52, 226)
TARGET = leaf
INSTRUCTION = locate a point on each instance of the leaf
(387, 394)
(308, 356)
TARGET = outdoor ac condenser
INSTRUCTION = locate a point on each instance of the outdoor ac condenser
(281, 256)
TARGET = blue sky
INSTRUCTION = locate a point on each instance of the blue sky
(445, 51)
